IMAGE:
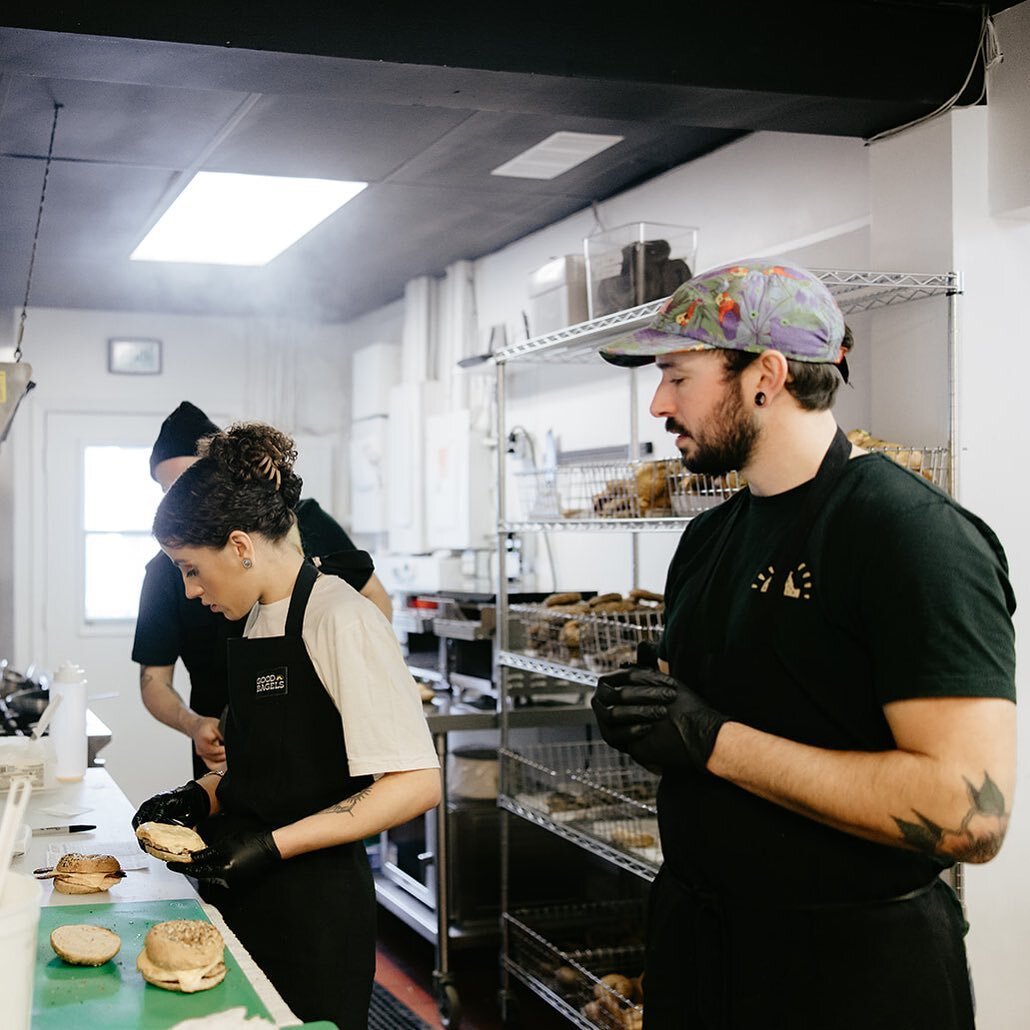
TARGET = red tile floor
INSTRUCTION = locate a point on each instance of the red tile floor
(404, 966)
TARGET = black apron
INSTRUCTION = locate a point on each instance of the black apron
(716, 962)
(310, 922)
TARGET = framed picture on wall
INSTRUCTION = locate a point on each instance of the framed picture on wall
(134, 357)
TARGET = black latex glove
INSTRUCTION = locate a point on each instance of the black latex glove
(627, 706)
(685, 736)
(187, 805)
(235, 859)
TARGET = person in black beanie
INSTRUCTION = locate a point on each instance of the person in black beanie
(170, 626)
(177, 442)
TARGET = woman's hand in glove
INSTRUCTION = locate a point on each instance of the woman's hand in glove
(234, 859)
(187, 805)
(628, 703)
(685, 736)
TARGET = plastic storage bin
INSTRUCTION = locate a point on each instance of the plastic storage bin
(633, 264)
(558, 295)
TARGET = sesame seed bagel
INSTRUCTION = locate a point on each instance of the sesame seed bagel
(86, 874)
(182, 955)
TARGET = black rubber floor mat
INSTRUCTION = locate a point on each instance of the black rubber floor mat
(387, 1013)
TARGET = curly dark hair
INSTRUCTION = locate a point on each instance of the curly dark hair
(813, 386)
(243, 480)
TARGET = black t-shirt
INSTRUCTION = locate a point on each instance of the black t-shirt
(170, 625)
(898, 593)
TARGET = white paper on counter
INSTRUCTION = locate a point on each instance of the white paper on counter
(65, 810)
(129, 855)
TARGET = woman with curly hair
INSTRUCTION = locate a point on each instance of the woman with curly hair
(326, 743)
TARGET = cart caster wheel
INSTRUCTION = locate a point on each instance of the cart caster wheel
(449, 1006)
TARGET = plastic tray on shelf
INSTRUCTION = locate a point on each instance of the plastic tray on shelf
(587, 957)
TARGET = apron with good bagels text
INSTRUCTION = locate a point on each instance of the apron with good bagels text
(757, 953)
(309, 923)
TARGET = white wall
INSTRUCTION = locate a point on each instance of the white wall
(284, 372)
(994, 254)
(1009, 117)
(933, 193)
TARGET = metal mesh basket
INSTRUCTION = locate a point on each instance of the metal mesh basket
(609, 641)
(551, 633)
(568, 949)
(607, 490)
(662, 489)
(929, 462)
(691, 493)
(592, 633)
(589, 792)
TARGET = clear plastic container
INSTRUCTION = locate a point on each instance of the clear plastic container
(68, 726)
(637, 263)
(19, 922)
(22, 756)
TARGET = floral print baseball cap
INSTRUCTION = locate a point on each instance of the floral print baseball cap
(749, 306)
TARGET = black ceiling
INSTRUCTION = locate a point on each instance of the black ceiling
(420, 104)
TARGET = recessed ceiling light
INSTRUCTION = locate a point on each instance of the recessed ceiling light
(225, 218)
(556, 154)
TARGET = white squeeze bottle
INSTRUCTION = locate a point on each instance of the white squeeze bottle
(68, 726)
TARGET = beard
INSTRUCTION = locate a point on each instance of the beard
(726, 443)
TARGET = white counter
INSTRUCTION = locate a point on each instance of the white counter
(101, 802)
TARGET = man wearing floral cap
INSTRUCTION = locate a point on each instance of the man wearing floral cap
(831, 707)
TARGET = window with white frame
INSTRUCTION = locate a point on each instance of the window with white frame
(120, 499)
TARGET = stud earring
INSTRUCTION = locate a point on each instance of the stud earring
(759, 399)
(247, 563)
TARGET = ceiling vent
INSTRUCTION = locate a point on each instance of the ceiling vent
(556, 154)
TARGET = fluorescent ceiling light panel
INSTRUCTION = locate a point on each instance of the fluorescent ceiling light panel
(556, 154)
(225, 218)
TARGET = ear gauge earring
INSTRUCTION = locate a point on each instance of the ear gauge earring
(247, 563)
(759, 399)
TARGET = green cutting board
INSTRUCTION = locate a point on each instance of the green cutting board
(115, 995)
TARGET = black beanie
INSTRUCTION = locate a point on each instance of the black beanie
(179, 434)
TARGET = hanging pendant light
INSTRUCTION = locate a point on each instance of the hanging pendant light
(16, 376)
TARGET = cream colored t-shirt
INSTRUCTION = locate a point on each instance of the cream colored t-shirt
(357, 657)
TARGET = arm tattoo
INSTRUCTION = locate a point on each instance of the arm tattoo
(965, 843)
(349, 804)
(146, 678)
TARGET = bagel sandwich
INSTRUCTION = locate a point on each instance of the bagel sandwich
(82, 874)
(182, 955)
(169, 842)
